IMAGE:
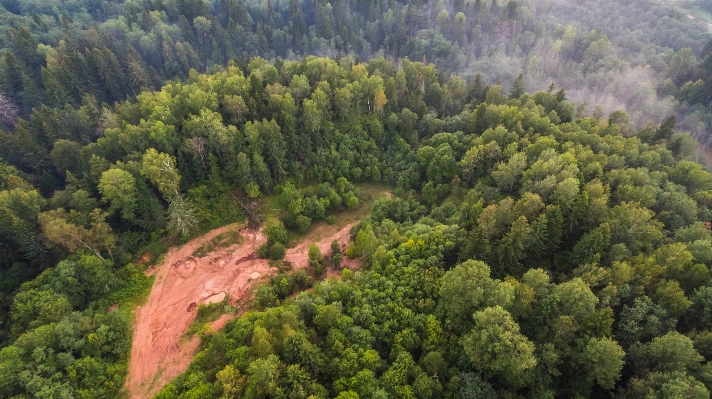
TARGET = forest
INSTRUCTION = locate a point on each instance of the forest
(534, 156)
(584, 244)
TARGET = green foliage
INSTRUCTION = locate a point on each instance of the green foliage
(118, 188)
(555, 255)
(64, 342)
(496, 347)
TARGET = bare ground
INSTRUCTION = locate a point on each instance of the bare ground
(183, 282)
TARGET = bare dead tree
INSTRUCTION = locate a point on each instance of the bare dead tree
(197, 145)
(254, 219)
(8, 111)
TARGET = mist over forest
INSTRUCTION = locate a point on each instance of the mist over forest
(623, 55)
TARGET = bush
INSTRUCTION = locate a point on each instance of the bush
(336, 260)
(282, 286)
(275, 232)
(300, 280)
(276, 251)
(303, 223)
(265, 296)
(351, 201)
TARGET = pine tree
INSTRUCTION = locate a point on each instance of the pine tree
(240, 15)
(589, 248)
(517, 87)
(110, 72)
(561, 95)
(475, 94)
(11, 79)
(24, 45)
(555, 227)
(55, 94)
(667, 128)
(31, 95)
(458, 5)
(512, 248)
(138, 77)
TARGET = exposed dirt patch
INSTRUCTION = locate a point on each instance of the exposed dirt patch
(322, 236)
(182, 282)
(221, 321)
(185, 281)
(217, 298)
(145, 258)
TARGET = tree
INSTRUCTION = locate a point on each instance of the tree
(160, 169)
(59, 228)
(590, 248)
(511, 249)
(55, 93)
(472, 277)
(33, 308)
(118, 187)
(603, 359)
(231, 382)
(68, 155)
(472, 386)
(673, 352)
(312, 116)
(642, 322)
(379, 99)
(669, 295)
(497, 348)
(507, 175)
(315, 260)
(275, 231)
(181, 217)
(634, 226)
(365, 244)
(263, 377)
(518, 86)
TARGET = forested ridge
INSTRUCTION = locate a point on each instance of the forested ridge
(583, 244)
(59, 56)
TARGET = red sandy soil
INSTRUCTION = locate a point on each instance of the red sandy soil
(183, 282)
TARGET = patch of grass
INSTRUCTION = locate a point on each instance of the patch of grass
(157, 377)
(222, 240)
(203, 250)
(207, 314)
(134, 291)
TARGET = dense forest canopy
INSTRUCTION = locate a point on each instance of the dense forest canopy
(615, 54)
(579, 231)
(583, 245)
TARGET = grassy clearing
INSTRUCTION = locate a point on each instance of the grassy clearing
(203, 250)
(226, 239)
(269, 207)
(320, 229)
(700, 14)
(692, 10)
(222, 240)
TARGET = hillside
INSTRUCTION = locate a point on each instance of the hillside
(525, 251)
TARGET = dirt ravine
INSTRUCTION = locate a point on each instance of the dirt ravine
(182, 283)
